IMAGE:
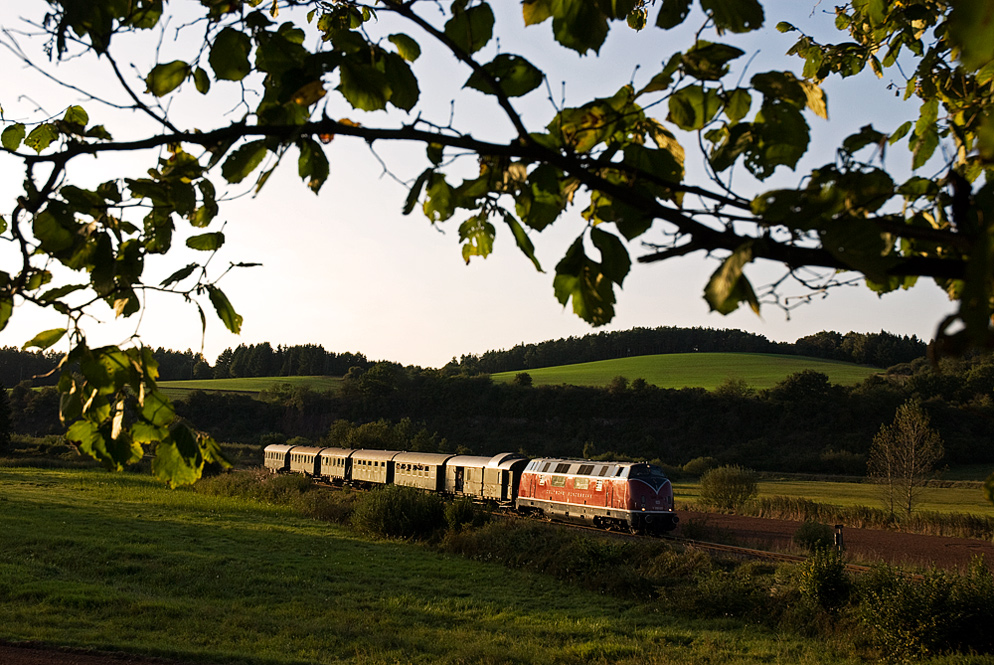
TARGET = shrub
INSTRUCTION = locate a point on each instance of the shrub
(399, 512)
(523, 379)
(463, 513)
(699, 465)
(824, 580)
(728, 487)
(814, 536)
(915, 618)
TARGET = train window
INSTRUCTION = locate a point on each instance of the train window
(586, 469)
(562, 468)
(546, 467)
(603, 471)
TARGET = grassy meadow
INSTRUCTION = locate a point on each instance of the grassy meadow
(967, 500)
(118, 562)
(695, 370)
(249, 385)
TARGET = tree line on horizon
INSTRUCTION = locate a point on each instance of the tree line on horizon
(881, 349)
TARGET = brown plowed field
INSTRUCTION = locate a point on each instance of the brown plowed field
(863, 546)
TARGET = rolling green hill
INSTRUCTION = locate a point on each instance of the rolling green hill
(703, 370)
(249, 385)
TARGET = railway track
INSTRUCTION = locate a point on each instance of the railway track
(733, 551)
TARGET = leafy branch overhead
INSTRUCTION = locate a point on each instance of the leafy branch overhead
(619, 161)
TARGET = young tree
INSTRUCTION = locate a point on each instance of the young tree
(903, 457)
(4, 418)
(292, 63)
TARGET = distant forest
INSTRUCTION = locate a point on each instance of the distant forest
(881, 349)
(803, 424)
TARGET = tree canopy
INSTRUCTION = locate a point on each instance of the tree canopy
(618, 160)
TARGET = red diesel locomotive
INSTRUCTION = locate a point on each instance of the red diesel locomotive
(635, 495)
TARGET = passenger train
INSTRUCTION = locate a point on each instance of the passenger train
(633, 495)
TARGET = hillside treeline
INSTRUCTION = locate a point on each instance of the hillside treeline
(803, 424)
(881, 349)
(244, 361)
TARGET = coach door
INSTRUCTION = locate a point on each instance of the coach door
(460, 479)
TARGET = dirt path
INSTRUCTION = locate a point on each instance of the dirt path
(863, 546)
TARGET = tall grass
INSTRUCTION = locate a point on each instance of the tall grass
(932, 523)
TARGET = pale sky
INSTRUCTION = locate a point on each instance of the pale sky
(347, 270)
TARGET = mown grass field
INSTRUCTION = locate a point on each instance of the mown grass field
(118, 562)
(695, 370)
(249, 385)
(968, 500)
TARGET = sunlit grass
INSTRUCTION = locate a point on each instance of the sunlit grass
(118, 562)
(695, 370)
(968, 500)
(250, 385)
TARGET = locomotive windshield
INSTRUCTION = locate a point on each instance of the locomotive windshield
(646, 471)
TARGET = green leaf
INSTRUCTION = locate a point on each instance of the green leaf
(867, 135)
(206, 242)
(521, 238)
(900, 133)
(201, 81)
(179, 275)
(312, 165)
(54, 236)
(859, 243)
(477, 235)
(406, 47)
(232, 320)
(693, 107)
(515, 76)
(12, 136)
(364, 86)
(243, 161)
(735, 15)
(157, 410)
(737, 104)
(165, 78)
(177, 457)
(6, 310)
(439, 204)
(728, 285)
(470, 29)
(579, 25)
(615, 261)
(672, 13)
(415, 192)
(923, 146)
(971, 28)
(580, 279)
(709, 62)
(403, 84)
(76, 115)
(536, 11)
(44, 340)
(229, 55)
(542, 201)
(41, 137)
